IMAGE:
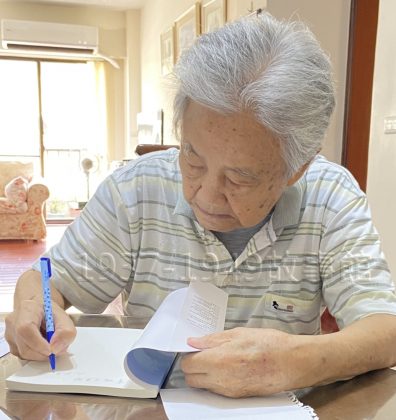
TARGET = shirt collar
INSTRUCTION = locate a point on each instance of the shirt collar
(287, 209)
(182, 207)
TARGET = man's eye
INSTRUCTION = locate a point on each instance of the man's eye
(238, 183)
(193, 170)
(194, 165)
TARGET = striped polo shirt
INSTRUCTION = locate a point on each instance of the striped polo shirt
(139, 237)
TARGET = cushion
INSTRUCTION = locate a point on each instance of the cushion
(9, 207)
(10, 170)
(15, 196)
(16, 190)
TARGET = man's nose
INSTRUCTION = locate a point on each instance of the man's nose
(212, 190)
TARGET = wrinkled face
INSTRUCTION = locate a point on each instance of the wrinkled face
(232, 169)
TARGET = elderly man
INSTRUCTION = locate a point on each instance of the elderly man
(247, 205)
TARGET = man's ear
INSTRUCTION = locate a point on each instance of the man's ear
(298, 174)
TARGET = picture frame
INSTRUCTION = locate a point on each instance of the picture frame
(214, 15)
(187, 28)
(167, 50)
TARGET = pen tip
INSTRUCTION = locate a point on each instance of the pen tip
(52, 361)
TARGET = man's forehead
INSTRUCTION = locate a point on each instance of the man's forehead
(237, 130)
(238, 139)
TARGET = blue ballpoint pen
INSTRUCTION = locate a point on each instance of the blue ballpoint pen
(45, 266)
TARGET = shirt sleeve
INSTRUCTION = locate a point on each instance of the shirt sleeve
(92, 262)
(356, 278)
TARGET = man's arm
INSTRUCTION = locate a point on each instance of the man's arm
(90, 265)
(251, 361)
(24, 324)
(365, 345)
(29, 288)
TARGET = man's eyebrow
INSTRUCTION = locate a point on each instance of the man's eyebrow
(187, 148)
(243, 172)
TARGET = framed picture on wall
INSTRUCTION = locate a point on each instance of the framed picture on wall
(214, 15)
(167, 51)
(187, 28)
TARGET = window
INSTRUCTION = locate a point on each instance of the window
(55, 115)
(19, 111)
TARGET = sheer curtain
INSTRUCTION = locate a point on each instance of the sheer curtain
(19, 111)
(75, 129)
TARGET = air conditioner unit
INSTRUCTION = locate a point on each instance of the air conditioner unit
(53, 40)
(46, 36)
(20, 34)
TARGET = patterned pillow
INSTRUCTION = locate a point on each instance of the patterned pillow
(15, 196)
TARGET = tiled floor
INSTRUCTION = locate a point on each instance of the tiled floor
(16, 256)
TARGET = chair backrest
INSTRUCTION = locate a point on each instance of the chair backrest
(142, 149)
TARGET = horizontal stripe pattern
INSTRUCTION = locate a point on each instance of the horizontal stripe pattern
(134, 238)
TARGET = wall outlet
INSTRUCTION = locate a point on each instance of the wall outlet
(390, 125)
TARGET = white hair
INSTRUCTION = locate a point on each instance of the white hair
(275, 70)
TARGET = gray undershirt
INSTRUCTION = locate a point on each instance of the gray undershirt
(236, 240)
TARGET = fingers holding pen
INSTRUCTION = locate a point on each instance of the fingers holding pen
(23, 332)
(65, 331)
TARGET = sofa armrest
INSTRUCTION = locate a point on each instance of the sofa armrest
(38, 192)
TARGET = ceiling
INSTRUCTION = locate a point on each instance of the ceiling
(110, 4)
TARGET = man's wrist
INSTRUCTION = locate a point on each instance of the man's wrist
(29, 288)
(329, 359)
(365, 345)
(317, 360)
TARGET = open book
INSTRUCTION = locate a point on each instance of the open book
(128, 362)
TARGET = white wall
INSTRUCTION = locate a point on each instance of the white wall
(381, 182)
(156, 17)
(329, 20)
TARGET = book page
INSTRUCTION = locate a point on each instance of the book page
(93, 365)
(189, 312)
(197, 404)
(4, 347)
(3, 415)
(194, 311)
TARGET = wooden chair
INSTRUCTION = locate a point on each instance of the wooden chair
(142, 149)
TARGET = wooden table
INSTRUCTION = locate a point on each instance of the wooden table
(369, 396)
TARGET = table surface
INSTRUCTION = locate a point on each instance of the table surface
(369, 396)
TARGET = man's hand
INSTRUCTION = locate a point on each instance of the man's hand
(253, 361)
(26, 325)
(248, 361)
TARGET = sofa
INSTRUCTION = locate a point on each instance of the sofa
(23, 219)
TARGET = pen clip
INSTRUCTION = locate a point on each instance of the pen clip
(45, 266)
